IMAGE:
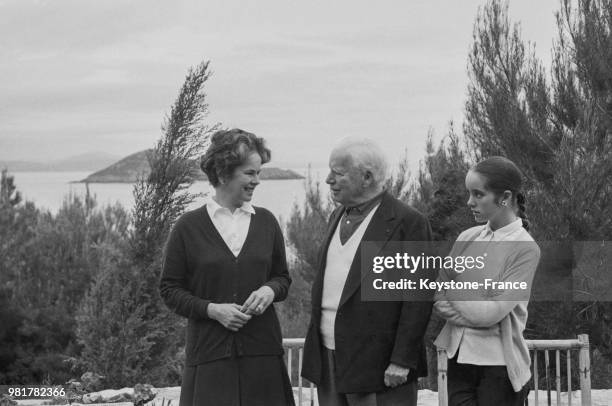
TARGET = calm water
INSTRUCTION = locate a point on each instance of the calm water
(48, 190)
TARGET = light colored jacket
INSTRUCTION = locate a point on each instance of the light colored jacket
(513, 257)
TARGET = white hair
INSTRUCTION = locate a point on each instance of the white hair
(366, 155)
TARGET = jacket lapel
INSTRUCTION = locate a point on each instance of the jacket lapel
(318, 283)
(381, 228)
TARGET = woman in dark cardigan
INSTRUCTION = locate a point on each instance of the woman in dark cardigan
(224, 264)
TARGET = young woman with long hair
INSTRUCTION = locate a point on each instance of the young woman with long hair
(483, 335)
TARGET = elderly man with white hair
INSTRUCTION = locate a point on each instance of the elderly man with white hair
(363, 352)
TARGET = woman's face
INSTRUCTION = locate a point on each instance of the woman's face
(239, 188)
(482, 202)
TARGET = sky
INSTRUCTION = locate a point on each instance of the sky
(78, 76)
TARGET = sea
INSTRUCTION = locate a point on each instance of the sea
(49, 189)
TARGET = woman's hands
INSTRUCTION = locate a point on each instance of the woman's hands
(233, 316)
(258, 301)
(444, 309)
(228, 314)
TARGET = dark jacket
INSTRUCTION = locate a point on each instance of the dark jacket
(199, 268)
(370, 335)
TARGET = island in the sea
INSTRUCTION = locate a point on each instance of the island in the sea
(136, 166)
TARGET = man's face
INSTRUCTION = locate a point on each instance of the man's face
(345, 180)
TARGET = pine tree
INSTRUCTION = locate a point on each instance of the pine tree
(557, 128)
(125, 329)
(8, 191)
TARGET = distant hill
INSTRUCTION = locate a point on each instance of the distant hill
(126, 170)
(90, 161)
(130, 168)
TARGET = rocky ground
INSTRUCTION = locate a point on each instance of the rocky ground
(170, 396)
(429, 398)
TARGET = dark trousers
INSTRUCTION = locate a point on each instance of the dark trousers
(481, 385)
(403, 395)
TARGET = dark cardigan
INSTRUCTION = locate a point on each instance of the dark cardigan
(199, 268)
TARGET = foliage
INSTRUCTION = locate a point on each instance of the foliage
(399, 183)
(307, 226)
(121, 349)
(47, 263)
(559, 133)
(305, 232)
(294, 311)
(506, 108)
(10, 339)
(8, 191)
(162, 197)
(439, 192)
(581, 116)
(104, 262)
(126, 331)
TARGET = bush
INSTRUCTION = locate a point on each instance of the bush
(47, 263)
(126, 331)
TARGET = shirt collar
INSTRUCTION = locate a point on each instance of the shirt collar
(213, 207)
(504, 231)
(365, 207)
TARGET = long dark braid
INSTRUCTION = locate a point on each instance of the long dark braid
(520, 202)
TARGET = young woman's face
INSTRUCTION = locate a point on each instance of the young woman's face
(483, 203)
(240, 186)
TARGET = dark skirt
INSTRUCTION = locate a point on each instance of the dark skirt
(238, 381)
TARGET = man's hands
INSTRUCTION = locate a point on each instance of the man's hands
(396, 375)
(228, 314)
(258, 301)
(233, 316)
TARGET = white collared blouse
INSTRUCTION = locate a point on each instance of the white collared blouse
(233, 227)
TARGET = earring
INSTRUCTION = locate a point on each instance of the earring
(503, 203)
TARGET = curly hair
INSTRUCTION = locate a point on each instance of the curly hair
(228, 150)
